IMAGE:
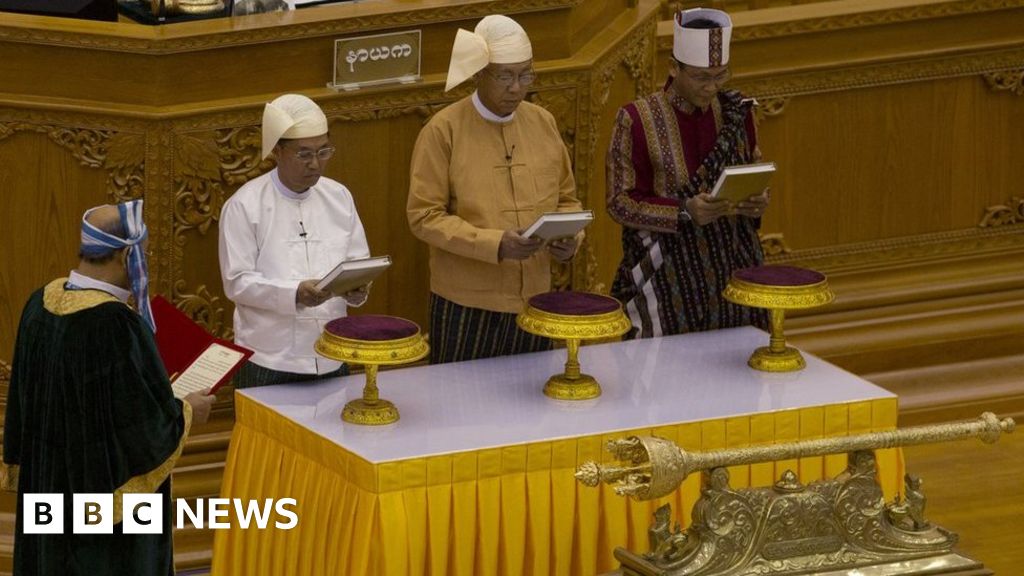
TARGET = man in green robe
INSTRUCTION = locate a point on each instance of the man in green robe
(90, 407)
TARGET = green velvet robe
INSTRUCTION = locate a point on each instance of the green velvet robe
(90, 409)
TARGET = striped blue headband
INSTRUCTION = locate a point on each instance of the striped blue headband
(96, 243)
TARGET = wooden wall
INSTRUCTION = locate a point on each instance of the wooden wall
(179, 125)
(95, 112)
(895, 124)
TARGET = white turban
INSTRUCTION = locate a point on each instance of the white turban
(495, 40)
(291, 116)
(702, 48)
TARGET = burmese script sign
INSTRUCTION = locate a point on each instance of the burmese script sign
(377, 59)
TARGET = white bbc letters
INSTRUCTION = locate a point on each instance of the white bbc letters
(92, 513)
(43, 514)
(142, 513)
(219, 508)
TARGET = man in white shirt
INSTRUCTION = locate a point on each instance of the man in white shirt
(279, 234)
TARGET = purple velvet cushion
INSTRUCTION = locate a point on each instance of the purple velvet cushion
(779, 276)
(574, 303)
(372, 327)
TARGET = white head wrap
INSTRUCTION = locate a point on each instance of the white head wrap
(702, 48)
(291, 116)
(496, 39)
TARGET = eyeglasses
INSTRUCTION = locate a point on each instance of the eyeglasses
(705, 78)
(322, 154)
(508, 79)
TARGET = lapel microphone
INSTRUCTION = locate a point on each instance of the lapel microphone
(508, 155)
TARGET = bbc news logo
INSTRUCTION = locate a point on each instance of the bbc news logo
(143, 513)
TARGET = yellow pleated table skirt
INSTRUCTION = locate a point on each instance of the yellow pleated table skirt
(501, 511)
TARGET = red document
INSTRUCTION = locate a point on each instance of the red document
(195, 359)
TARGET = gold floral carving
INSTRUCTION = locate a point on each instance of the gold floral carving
(561, 274)
(639, 61)
(1006, 80)
(778, 297)
(879, 74)
(204, 163)
(239, 151)
(125, 164)
(165, 264)
(377, 352)
(585, 269)
(769, 108)
(5, 382)
(425, 111)
(841, 525)
(204, 308)
(562, 105)
(773, 244)
(1004, 214)
(563, 326)
(122, 154)
(636, 55)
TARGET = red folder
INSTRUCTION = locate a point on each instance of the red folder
(180, 341)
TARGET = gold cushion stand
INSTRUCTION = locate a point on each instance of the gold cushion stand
(778, 288)
(573, 316)
(372, 341)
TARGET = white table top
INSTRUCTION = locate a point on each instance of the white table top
(499, 401)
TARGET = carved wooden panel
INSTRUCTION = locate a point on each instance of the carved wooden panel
(899, 173)
(53, 167)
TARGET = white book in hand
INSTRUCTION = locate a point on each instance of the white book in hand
(737, 183)
(352, 274)
(555, 225)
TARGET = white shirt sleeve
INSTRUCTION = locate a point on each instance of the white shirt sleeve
(358, 247)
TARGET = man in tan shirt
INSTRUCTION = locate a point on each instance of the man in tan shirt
(484, 169)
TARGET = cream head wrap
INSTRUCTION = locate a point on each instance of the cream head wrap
(702, 48)
(291, 116)
(495, 40)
